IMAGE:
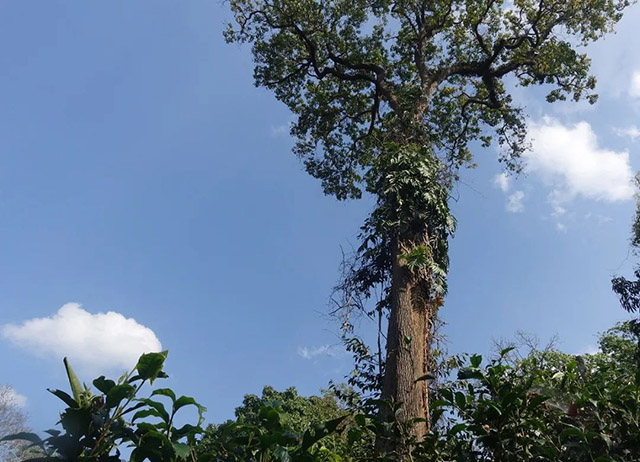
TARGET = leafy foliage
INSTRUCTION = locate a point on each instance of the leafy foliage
(95, 426)
(413, 71)
(545, 406)
(268, 439)
(299, 413)
(296, 415)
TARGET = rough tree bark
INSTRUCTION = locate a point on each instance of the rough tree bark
(409, 340)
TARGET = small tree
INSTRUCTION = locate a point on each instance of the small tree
(300, 413)
(296, 416)
(12, 420)
(388, 95)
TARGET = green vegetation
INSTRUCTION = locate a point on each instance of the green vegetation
(388, 96)
(97, 426)
(544, 406)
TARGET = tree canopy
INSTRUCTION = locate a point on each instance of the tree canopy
(359, 73)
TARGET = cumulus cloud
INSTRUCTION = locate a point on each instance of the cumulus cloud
(634, 87)
(515, 202)
(502, 181)
(91, 341)
(313, 352)
(570, 160)
(632, 132)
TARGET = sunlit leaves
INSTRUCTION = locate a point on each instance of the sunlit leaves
(149, 365)
(95, 426)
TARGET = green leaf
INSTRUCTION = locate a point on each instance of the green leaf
(76, 421)
(504, 352)
(468, 373)
(153, 446)
(68, 400)
(118, 393)
(146, 413)
(320, 431)
(76, 388)
(188, 401)
(150, 365)
(447, 395)
(182, 450)
(186, 430)
(164, 415)
(476, 360)
(457, 429)
(133, 408)
(165, 392)
(103, 384)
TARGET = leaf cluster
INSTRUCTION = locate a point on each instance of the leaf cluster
(96, 425)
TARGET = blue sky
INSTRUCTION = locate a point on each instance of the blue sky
(142, 174)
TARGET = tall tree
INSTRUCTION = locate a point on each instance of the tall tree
(388, 95)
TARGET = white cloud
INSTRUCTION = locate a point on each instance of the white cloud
(515, 202)
(632, 132)
(281, 130)
(600, 219)
(310, 353)
(558, 210)
(91, 341)
(502, 181)
(10, 397)
(569, 159)
(634, 87)
(561, 227)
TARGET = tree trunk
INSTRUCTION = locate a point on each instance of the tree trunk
(408, 341)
